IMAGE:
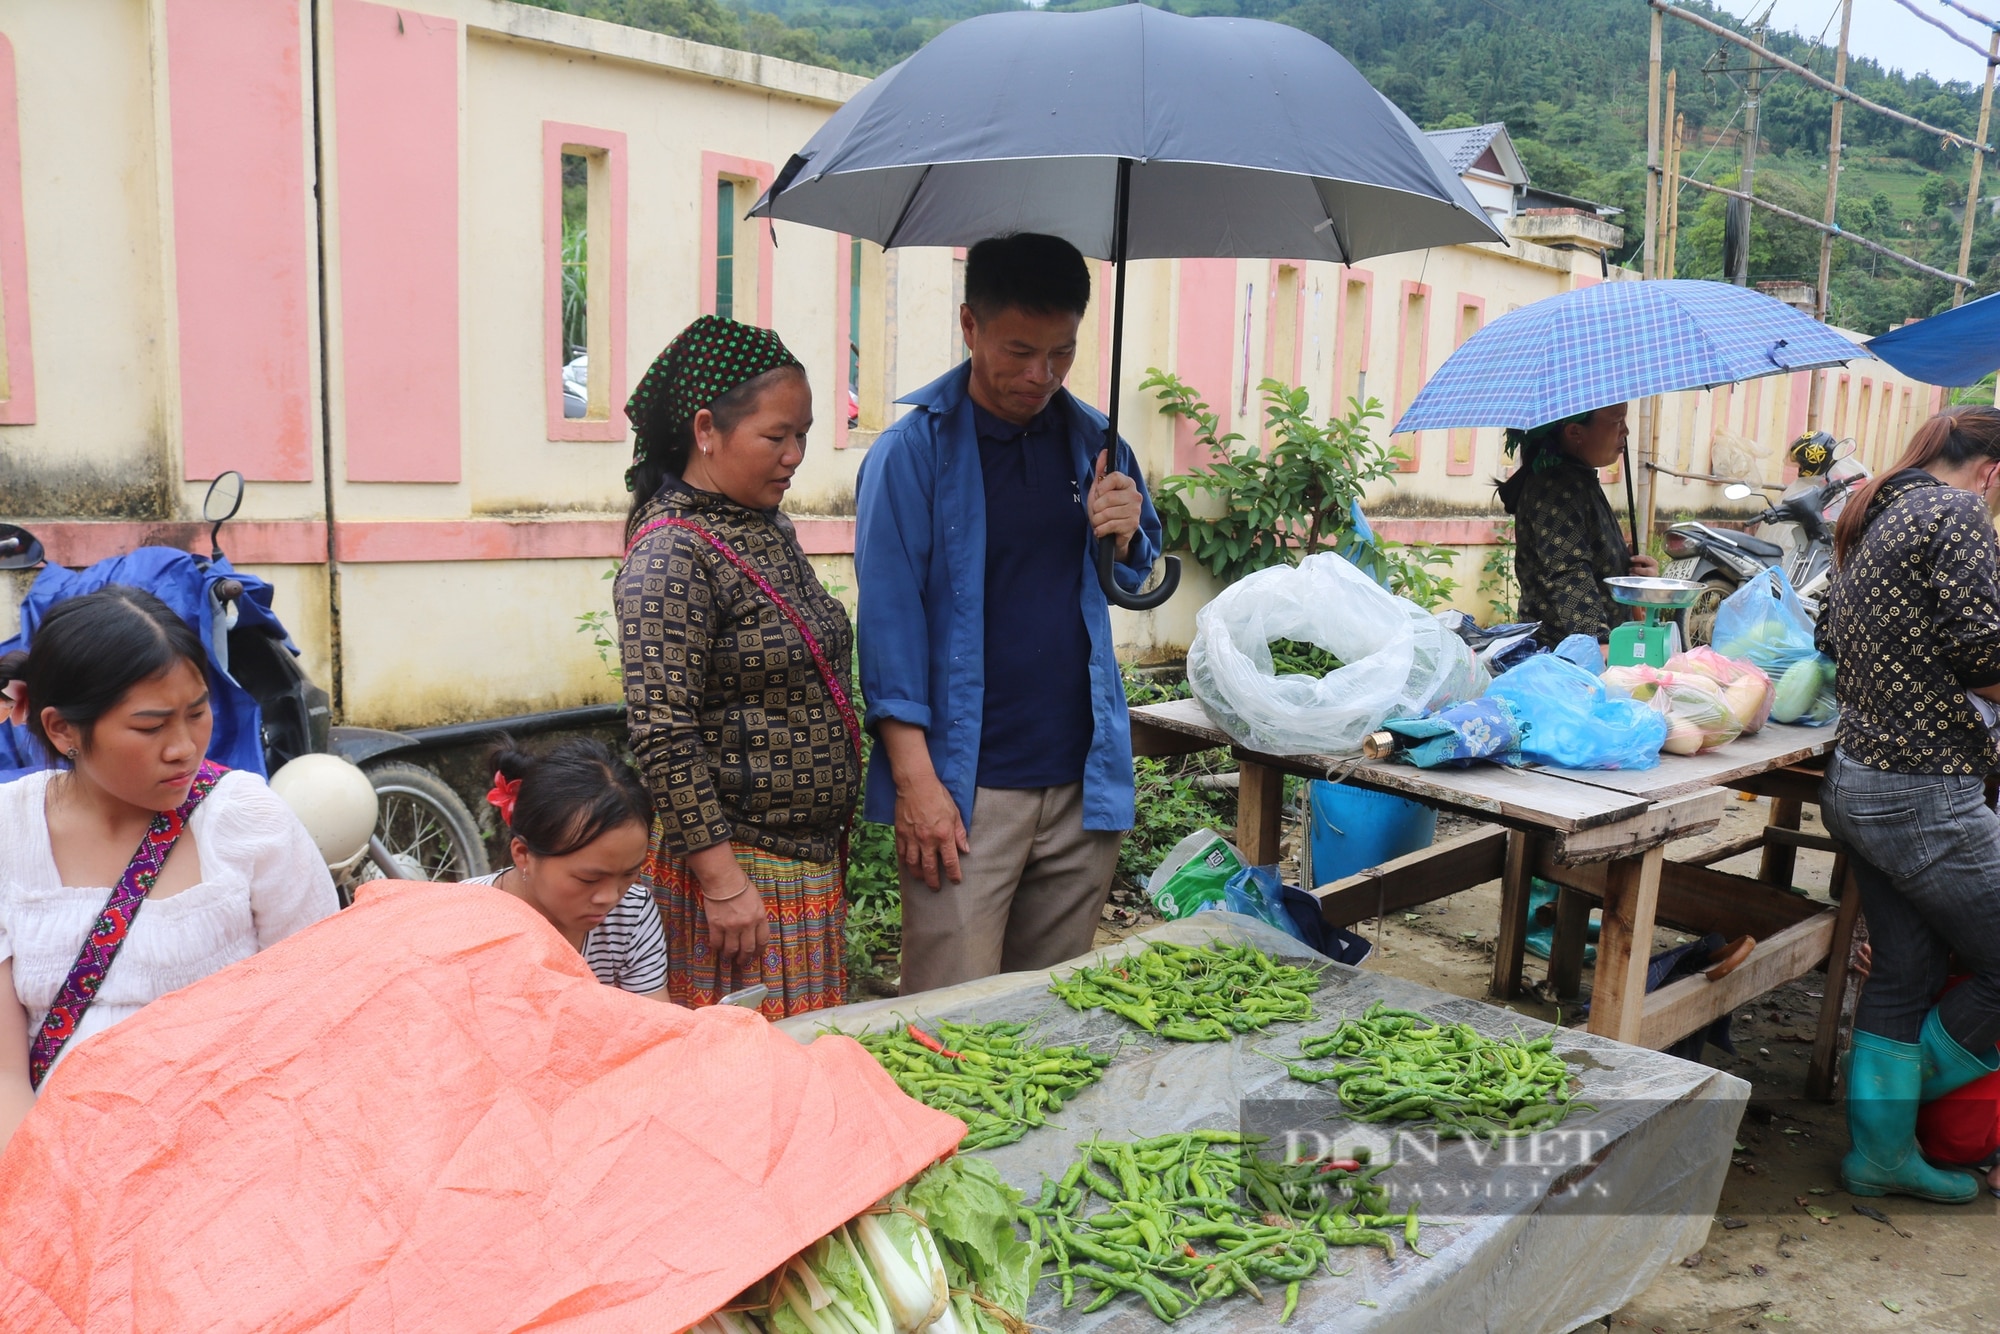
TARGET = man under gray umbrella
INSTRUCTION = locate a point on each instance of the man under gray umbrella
(1005, 754)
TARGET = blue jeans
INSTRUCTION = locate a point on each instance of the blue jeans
(1926, 854)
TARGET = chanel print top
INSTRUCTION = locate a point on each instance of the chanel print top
(733, 728)
(1912, 622)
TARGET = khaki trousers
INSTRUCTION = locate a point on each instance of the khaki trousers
(1034, 888)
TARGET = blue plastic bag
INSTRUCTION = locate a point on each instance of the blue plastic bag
(1256, 891)
(1584, 651)
(1574, 722)
(1764, 624)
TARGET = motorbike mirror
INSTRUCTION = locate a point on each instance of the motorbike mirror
(224, 498)
(1737, 491)
(219, 506)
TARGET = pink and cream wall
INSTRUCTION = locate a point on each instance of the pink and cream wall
(318, 241)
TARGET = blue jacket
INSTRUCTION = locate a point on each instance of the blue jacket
(182, 581)
(920, 562)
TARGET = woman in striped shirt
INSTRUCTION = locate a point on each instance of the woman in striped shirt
(577, 825)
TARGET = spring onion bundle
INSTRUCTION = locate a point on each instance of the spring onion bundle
(986, 1075)
(939, 1256)
(1398, 1065)
(1179, 1220)
(1194, 993)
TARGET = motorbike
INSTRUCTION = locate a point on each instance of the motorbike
(1726, 558)
(269, 713)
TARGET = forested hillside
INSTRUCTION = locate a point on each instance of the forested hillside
(1569, 78)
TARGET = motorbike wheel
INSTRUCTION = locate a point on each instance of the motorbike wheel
(426, 828)
(1698, 621)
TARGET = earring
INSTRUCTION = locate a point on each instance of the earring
(72, 753)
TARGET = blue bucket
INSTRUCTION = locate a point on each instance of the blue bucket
(1354, 829)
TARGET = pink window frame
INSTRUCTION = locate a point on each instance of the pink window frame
(1464, 434)
(722, 164)
(1341, 333)
(1291, 372)
(843, 325)
(1416, 438)
(556, 136)
(18, 408)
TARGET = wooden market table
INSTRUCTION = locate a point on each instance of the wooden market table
(1598, 835)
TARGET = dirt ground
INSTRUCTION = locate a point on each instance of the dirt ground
(1786, 1250)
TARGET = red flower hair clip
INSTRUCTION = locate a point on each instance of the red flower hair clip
(502, 796)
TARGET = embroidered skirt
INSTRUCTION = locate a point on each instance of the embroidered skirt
(805, 965)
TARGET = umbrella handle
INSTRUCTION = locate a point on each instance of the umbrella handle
(1170, 579)
(1631, 500)
(1107, 551)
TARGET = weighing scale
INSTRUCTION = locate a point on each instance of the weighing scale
(1646, 643)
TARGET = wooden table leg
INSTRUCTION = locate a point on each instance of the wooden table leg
(1780, 861)
(1260, 802)
(1511, 947)
(1572, 937)
(1826, 1042)
(1625, 945)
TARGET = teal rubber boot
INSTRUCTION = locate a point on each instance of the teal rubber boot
(1948, 1066)
(1883, 1082)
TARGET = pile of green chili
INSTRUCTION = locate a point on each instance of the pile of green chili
(1178, 1220)
(1194, 993)
(1397, 1065)
(987, 1075)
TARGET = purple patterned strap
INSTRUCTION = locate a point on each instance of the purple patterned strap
(819, 658)
(113, 925)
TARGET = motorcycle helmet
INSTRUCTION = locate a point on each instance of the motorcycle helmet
(1813, 453)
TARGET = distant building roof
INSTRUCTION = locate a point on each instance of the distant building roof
(1481, 148)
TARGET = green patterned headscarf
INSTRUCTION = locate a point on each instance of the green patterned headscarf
(705, 361)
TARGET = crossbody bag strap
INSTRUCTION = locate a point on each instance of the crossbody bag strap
(723, 549)
(113, 925)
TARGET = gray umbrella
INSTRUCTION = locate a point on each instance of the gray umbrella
(1134, 134)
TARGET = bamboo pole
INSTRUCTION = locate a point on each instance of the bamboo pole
(1862, 241)
(1747, 180)
(1817, 393)
(1675, 145)
(1646, 263)
(1727, 35)
(1978, 160)
(1649, 442)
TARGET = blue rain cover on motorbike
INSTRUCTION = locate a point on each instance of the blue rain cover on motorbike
(181, 581)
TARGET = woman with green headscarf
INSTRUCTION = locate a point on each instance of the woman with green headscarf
(737, 677)
(1566, 539)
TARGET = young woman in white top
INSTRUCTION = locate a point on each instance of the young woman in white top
(114, 687)
(577, 824)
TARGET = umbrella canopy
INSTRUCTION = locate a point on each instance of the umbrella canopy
(1246, 138)
(1958, 347)
(1615, 342)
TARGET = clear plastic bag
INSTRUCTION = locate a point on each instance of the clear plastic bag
(1763, 623)
(1574, 722)
(1399, 659)
(1698, 716)
(1745, 688)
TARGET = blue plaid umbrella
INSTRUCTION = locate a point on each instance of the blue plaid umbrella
(1615, 342)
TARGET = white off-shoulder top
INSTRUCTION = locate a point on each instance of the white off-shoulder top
(261, 879)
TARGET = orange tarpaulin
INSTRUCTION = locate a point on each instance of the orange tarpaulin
(425, 1114)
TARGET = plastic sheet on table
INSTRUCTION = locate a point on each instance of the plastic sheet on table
(1519, 1246)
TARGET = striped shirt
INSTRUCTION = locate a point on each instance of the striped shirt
(627, 950)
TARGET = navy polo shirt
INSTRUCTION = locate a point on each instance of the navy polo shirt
(1037, 723)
